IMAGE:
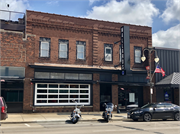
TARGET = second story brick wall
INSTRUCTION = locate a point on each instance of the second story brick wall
(93, 32)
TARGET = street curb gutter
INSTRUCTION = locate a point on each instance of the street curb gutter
(68, 121)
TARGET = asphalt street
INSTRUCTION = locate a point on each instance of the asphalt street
(94, 127)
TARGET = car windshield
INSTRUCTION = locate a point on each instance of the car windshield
(148, 105)
(109, 105)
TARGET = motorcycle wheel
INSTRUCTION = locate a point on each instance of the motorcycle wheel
(107, 119)
(75, 120)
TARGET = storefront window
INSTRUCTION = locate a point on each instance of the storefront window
(61, 94)
(68, 76)
(128, 96)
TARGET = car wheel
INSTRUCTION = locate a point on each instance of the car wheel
(135, 119)
(176, 117)
(164, 119)
(147, 117)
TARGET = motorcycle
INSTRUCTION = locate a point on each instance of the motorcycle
(107, 114)
(76, 114)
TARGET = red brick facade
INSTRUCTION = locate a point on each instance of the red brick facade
(22, 52)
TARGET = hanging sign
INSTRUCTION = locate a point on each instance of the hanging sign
(122, 48)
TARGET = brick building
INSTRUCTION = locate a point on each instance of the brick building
(56, 58)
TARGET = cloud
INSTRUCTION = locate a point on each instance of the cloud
(139, 12)
(169, 38)
(92, 1)
(14, 5)
(172, 11)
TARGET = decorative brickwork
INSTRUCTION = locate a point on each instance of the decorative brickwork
(19, 52)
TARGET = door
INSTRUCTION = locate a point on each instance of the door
(105, 95)
(169, 110)
(159, 111)
(130, 97)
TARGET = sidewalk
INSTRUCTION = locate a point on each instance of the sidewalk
(57, 117)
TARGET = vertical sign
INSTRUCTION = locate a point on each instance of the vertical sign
(122, 48)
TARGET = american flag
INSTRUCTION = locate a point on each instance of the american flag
(160, 70)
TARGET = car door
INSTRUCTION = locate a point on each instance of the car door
(159, 111)
(169, 110)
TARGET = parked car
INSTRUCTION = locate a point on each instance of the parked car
(3, 107)
(131, 106)
(161, 110)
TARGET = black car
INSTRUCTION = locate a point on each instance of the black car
(161, 110)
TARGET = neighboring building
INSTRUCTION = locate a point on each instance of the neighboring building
(63, 57)
(167, 88)
(15, 52)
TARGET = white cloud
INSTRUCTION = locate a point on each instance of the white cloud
(92, 1)
(140, 12)
(14, 5)
(172, 11)
(169, 38)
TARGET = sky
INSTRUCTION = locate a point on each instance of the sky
(162, 15)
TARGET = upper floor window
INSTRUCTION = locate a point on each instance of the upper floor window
(108, 52)
(137, 54)
(44, 47)
(63, 49)
(81, 49)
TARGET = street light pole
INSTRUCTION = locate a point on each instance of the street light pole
(143, 58)
(150, 77)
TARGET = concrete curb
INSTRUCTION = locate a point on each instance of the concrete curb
(68, 121)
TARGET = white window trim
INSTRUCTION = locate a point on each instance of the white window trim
(62, 50)
(80, 51)
(109, 55)
(137, 57)
(44, 49)
(69, 99)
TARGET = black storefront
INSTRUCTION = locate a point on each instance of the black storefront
(130, 89)
(12, 86)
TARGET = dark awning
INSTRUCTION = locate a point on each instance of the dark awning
(10, 79)
(172, 80)
(61, 81)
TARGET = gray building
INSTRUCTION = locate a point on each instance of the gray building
(167, 87)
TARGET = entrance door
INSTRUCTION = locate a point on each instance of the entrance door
(105, 95)
(130, 97)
